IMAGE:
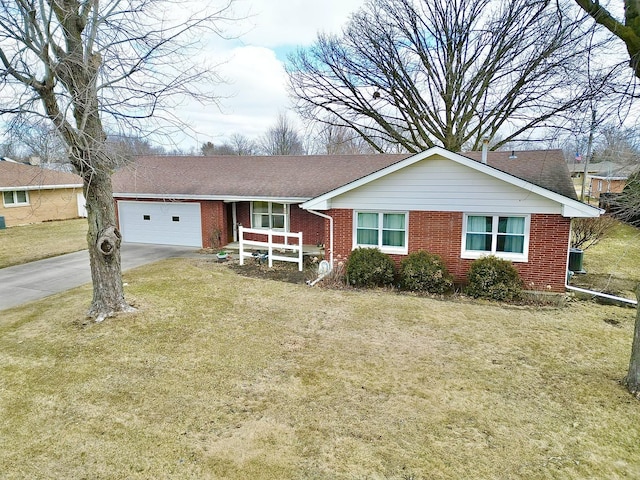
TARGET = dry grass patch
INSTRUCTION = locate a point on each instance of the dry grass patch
(41, 240)
(613, 264)
(227, 377)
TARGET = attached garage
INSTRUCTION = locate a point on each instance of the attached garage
(166, 223)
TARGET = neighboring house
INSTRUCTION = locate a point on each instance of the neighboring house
(32, 194)
(610, 179)
(600, 184)
(516, 207)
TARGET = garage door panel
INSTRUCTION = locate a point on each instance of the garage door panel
(166, 223)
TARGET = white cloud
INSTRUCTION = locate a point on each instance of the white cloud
(293, 22)
(256, 92)
(251, 100)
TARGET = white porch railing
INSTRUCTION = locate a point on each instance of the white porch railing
(270, 246)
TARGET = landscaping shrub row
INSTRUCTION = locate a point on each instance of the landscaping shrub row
(489, 277)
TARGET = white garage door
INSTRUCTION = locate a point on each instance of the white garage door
(165, 223)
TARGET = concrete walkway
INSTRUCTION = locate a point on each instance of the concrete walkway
(36, 280)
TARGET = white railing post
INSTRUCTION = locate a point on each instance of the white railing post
(241, 235)
(300, 257)
(270, 245)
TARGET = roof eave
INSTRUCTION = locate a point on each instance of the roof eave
(40, 187)
(223, 198)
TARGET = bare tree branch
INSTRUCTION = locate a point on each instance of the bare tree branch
(448, 72)
(84, 64)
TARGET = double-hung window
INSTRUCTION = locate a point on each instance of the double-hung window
(270, 215)
(384, 230)
(15, 198)
(501, 235)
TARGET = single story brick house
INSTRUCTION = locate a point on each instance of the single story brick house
(32, 194)
(516, 205)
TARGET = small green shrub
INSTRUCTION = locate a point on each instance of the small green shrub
(494, 278)
(425, 272)
(369, 267)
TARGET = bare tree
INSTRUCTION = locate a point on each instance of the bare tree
(628, 30)
(586, 232)
(282, 139)
(82, 64)
(421, 73)
(36, 138)
(333, 139)
(243, 145)
(208, 149)
(237, 144)
(125, 147)
(619, 145)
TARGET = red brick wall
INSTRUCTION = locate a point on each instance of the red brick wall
(441, 233)
(548, 252)
(214, 225)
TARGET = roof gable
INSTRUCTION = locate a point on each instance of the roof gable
(567, 205)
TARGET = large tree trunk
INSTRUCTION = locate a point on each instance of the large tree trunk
(632, 380)
(104, 240)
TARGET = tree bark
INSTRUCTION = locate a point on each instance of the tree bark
(103, 239)
(632, 380)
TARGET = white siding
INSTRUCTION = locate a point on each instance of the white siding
(438, 184)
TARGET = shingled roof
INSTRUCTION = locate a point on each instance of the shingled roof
(302, 177)
(227, 176)
(29, 177)
(544, 168)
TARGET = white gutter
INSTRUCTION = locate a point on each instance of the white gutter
(324, 215)
(40, 187)
(223, 198)
(600, 294)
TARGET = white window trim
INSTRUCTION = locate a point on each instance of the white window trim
(384, 249)
(514, 257)
(270, 213)
(15, 198)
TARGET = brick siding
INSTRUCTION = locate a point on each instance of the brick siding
(441, 233)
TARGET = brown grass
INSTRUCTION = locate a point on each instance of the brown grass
(41, 240)
(613, 265)
(219, 376)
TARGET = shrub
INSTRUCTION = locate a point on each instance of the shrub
(586, 232)
(369, 267)
(494, 278)
(425, 272)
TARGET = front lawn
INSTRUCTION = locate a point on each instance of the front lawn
(220, 376)
(41, 240)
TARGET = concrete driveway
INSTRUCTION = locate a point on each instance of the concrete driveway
(35, 280)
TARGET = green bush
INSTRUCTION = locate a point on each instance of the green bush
(494, 278)
(369, 267)
(425, 272)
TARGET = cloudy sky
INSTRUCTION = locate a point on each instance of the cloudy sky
(253, 67)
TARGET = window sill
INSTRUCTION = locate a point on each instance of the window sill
(387, 250)
(520, 258)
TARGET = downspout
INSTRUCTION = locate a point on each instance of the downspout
(600, 294)
(324, 215)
